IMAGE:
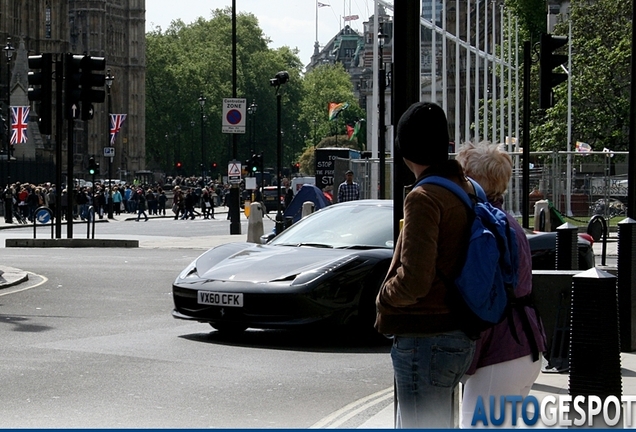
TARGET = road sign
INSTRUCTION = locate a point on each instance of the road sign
(233, 115)
(43, 216)
(109, 151)
(234, 172)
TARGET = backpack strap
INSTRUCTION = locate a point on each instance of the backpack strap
(456, 189)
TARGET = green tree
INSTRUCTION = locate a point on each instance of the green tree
(322, 85)
(531, 15)
(186, 61)
(600, 79)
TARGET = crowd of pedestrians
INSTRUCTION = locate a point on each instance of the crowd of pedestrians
(192, 198)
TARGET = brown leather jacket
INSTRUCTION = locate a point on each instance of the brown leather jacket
(435, 236)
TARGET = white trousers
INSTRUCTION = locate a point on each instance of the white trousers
(514, 377)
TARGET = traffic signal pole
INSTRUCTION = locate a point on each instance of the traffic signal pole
(234, 208)
(71, 98)
(59, 125)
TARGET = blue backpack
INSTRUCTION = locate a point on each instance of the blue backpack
(489, 275)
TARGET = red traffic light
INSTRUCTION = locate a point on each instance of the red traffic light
(178, 164)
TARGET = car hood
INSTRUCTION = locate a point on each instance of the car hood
(246, 262)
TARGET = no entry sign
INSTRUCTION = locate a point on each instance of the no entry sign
(234, 115)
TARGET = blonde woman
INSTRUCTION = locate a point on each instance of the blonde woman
(507, 357)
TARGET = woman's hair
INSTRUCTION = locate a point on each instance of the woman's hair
(489, 165)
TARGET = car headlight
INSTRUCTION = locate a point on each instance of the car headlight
(190, 271)
(311, 275)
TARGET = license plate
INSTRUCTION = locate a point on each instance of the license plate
(220, 299)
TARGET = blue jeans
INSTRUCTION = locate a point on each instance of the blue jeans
(427, 369)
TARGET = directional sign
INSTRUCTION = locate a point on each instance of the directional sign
(234, 171)
(109, 151)
(233, 115)
(43, 216)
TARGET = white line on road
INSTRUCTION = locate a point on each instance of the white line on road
(338, 418)
(8, 291)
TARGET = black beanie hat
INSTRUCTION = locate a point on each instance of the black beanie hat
(422, 134)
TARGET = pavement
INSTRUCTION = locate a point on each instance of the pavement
(547, 383)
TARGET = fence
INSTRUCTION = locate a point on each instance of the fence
(597, 182)
(28, 171)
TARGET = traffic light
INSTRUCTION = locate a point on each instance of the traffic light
(72, 82)
(178, 166)
(88, 80)
(255, 163)
(295, 168)
(93, 167)
(548, 60)
(41, 75)
(213, 168)
(258, 163)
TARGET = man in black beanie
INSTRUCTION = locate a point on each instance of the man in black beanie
(430, 352)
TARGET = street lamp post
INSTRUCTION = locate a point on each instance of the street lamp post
(202, 104)
(278, 80)
(8, 51)
(381, 109)
(109, 82)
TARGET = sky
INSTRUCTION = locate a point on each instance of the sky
(285, 22)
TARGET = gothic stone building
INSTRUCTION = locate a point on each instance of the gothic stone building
(113, 29)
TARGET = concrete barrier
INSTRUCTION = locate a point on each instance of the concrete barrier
(70, 243)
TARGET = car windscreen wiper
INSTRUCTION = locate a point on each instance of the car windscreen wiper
(362, 247)
(317, 245)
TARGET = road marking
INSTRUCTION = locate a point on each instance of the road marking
(9, 290)
(338, 418)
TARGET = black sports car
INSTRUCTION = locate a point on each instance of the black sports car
(543, 247)
(325, 269)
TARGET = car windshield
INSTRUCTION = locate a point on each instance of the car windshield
(342, 226)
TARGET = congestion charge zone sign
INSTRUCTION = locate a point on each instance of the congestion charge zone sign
(233, 115)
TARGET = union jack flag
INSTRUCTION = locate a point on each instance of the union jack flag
(19, 124)
(116, 120)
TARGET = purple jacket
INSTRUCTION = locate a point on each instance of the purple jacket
(497, 344)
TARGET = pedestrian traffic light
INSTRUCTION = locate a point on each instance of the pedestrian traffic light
(89, 79)
(548, 60)
(72, 82)
(41, 75)
(93, 167)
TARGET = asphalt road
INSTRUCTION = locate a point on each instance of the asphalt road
(89, 342)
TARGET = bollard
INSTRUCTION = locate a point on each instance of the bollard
(289, 220)
(627, 283)
(551, 292)
(255, 223)
(595, 359)
(567, 254)
(542, 216)
(597, 228)
(308, 208)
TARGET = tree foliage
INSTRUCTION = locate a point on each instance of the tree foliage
(600, 79)
(186, 61)
(531, 15)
